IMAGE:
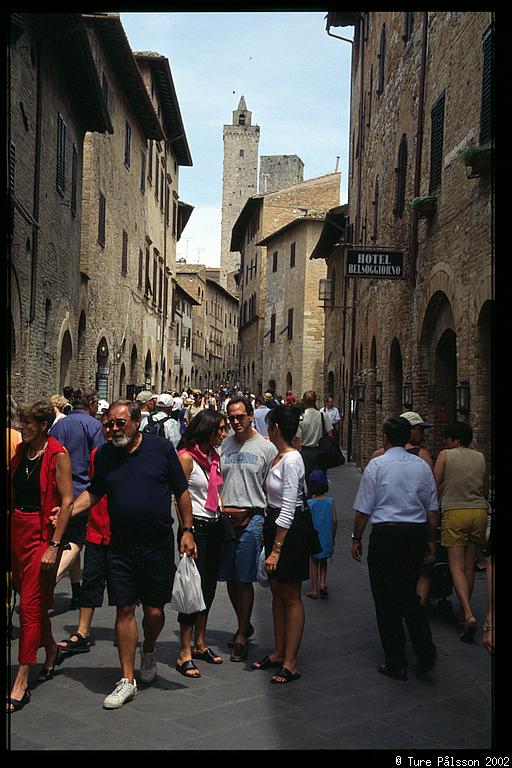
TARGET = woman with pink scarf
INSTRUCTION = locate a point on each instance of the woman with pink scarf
(201, 464)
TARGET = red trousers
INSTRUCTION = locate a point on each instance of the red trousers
(34, 587)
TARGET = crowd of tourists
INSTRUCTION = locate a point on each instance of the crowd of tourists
(246, 478)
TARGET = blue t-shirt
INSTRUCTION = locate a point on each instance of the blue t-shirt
(79, 432)
(321, 514)
(139, 487)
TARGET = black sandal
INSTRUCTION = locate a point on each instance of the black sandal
(17, 704)
(267, 663)
(207, 655)
(288, 677)
(187, 666)
(46, 673)
(82, 645)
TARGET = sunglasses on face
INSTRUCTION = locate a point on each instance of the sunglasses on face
(238, 417)
(119, 423)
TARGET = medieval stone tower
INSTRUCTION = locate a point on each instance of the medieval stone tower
(239, 182)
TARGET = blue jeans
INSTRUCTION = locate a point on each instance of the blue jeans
(240, 561)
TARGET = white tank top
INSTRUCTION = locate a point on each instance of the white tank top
(198, 489)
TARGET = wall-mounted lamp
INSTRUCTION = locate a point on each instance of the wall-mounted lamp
(431, 393)
(462, 397)
(378, 392)
(407, 395)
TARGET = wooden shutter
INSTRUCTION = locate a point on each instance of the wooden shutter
(487, 107)
(102, 219)
(61, 154)
(436, 144)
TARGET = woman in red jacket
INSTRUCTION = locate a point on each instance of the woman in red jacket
(41, 480)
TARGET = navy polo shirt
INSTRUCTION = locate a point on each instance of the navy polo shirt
(139, 487)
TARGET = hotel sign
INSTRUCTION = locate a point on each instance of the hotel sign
(375, 262)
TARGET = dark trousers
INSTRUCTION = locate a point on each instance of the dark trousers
(209, 538)
(395, 556)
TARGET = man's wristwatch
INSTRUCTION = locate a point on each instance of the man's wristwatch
(356, 538)
(188, 530)
(54, 543)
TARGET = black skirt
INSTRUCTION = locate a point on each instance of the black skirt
(300, 543)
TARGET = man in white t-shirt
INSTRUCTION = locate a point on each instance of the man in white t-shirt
(333, 413)
(246, 458)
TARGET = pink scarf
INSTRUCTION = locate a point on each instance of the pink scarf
(211, 465)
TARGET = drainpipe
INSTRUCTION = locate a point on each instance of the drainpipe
(419, 146)
(37, 179)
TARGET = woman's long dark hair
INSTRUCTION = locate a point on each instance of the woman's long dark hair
(287, 417)
(202, 427)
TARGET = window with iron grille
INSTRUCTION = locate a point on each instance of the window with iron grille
(74, 180)
(127, 143)
(101, 219)
(274, 261)
(124, 255)
(408, 25)
(292, 255)
(290, 323)
(487, 107)
(61, 154)
(272, 328)
(382, 59)
(141, 268)
(142, 171)
(401, 174)
(436, 144)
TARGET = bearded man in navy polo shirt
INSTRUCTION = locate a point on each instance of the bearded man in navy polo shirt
(138, 473)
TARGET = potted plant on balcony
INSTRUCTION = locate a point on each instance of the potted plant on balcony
(478, 160)
(425, 205)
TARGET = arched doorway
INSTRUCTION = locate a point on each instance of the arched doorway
(395, 379)
(289, 381)
(66, 355)
(133, 366)
(102, 370)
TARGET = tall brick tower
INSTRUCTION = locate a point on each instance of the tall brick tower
(239, 182)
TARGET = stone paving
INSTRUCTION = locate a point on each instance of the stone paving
(340, 703)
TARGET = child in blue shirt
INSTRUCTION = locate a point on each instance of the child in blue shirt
(323, 512)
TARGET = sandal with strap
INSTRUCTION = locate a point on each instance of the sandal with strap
(187, 666)
(286, 675)
(70, 646)
(46, 673)
(267, 663)
(207, 655)
(14, 705)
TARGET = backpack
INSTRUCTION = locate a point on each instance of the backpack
(155, 426)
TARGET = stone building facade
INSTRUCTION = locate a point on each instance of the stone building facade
(293, 337)
(129, 233)
(278, 171)
(222, 329)
(239, 181)
(183, 304)
(261, 216)
(192, 278)
(420, 181)
(55, 97)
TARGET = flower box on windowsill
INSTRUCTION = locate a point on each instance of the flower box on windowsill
(478, 161)
(425, 206)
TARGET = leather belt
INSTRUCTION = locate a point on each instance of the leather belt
(28, 508)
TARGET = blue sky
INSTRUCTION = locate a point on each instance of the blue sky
(295, 79)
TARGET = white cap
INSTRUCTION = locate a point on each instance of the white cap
(102, 406)
(165, 400)
(178, 402)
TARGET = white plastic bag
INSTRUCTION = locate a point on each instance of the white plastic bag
(262, 574)
(187, 596)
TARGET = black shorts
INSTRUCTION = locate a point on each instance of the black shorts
(77, 528)
(94, 575)
(142, 572)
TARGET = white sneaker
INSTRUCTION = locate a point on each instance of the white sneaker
(123, 692)
(147, 667)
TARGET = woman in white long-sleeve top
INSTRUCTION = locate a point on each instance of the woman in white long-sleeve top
(289, 539)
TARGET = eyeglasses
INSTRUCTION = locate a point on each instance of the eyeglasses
(238, 417)
(119, 423)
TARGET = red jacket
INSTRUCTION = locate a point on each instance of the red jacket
(50, 496)
(98, 527)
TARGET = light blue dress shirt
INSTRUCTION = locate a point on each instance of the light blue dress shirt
(397, 487)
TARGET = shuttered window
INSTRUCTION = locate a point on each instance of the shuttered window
(274, 261)
(292, 255)
(124, 254)
(142, 171)
(382, 59)
(74, 180)
(61, 154)
(101, 219)
(272, 328)
(487, 108)
(150, 162)
(290, 323)
(127, 144)
(436, 144)
(401, 176)
(147, 287)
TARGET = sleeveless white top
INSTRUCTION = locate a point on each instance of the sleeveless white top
(198, 489)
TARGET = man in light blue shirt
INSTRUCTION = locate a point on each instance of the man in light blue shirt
(397, 494)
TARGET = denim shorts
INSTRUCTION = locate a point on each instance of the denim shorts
(240, 561)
